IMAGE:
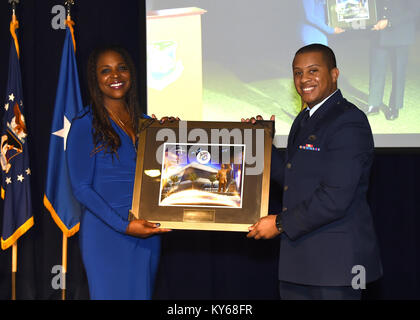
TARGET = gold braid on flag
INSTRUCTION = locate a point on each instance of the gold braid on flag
(70, 24)
(14, 24)
(58, 221)
(6, 244)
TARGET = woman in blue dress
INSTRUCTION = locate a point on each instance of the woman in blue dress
(120, 257)
(314, 29)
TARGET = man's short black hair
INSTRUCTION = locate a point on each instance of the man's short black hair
(327, 53)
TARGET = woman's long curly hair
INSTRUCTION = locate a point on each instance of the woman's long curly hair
(104, 136)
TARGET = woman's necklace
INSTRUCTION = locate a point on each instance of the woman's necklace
(123, 126)
(116, 117)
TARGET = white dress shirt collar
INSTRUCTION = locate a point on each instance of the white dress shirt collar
(317, 106)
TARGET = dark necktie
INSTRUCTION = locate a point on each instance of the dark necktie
(302, 124)
(304, 119)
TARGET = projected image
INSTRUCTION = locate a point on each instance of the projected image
(162, 65)
(348, 10)
(223, 60)
(191, 176)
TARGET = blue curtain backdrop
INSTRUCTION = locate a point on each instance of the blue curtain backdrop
(194, 265)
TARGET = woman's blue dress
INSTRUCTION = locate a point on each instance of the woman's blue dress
(315, 29)
(118, 266)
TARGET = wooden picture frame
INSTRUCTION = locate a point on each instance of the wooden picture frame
(200, 175)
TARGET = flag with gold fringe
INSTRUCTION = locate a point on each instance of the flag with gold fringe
(58, 198)
(16, 172)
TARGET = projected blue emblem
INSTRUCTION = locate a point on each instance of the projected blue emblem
(162, 65)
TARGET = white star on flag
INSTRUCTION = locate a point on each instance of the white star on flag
(8, 180)
(64, 132)
(12, 97)
(28, 171)
(20, 178)
(6, 106)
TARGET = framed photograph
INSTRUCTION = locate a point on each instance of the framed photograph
(199, 175)
(351, 14)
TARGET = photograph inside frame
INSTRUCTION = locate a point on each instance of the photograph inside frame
(202, 175)
(350, 10)
(351, 14)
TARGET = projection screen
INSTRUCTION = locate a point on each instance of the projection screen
(223, 60)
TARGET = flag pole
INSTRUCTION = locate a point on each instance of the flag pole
(68, 4)
(14, 246)
(14, 269)
(64, 270)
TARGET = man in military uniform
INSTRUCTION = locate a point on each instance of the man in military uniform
(392, 37)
